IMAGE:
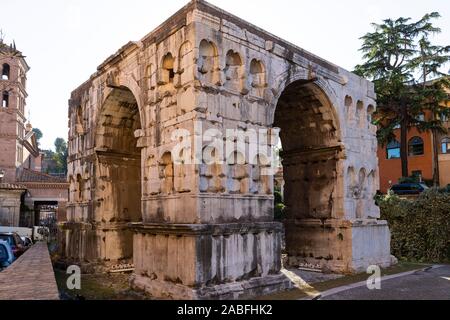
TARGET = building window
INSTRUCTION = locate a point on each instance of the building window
(420, 117)
(415, 146)
(5, 71)
(445, 145)
(393, 150)
(5, 99)
(443, 117)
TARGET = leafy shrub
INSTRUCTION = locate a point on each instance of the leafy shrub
(278, 212)
(420, 228)
(278, 205)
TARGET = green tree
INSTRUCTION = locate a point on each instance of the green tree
(429, 61)
(60, 155)
(38, 134)
(400, 59)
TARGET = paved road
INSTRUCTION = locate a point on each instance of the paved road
(433, 284)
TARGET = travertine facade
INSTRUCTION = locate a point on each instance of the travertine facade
(206, 230)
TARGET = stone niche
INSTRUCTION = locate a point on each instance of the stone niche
(205, 230)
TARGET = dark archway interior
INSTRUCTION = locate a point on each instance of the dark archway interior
(309, 150)
(118, 121)
(119, 164)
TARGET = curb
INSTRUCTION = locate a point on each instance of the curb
(364, 283)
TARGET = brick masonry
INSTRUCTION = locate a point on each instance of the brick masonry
(30, 277)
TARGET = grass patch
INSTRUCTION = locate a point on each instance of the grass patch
(98, 287)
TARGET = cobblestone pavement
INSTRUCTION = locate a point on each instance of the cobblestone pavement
(433, 284)
(30, 277)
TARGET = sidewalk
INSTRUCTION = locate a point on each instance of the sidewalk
(30, 277)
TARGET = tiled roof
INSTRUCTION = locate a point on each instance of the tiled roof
(28, 175)
(11, 186)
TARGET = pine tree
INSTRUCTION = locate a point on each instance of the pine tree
(400, 60)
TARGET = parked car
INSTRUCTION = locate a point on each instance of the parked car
(27, 242)
(15, 242)
(6, 255)
(409, 188)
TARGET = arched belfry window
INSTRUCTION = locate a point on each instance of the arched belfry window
(393, 150)
(445, 145)
(5, 99)
(415, 146)
(5, 71)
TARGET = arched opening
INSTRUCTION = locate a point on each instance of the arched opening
(80, 188)
(118, 173)
(207, 61)
(348, 102)
(233, 70)
(370, 112)
(359, 114)
(258, 76)
(149, 76)
(415, 146)
(5, 99)
(166, 174)
(237, 182)
(361, 193)
(183, 56)
(167, 69)
(311, 150)
(5, 71)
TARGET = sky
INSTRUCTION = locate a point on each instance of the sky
(65, 41)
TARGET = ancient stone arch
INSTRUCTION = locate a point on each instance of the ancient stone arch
(205, 229)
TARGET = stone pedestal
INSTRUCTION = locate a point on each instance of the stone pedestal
(338, 245)
(215, 261)
(99, 244)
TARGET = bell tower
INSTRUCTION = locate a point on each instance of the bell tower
(13, 70)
